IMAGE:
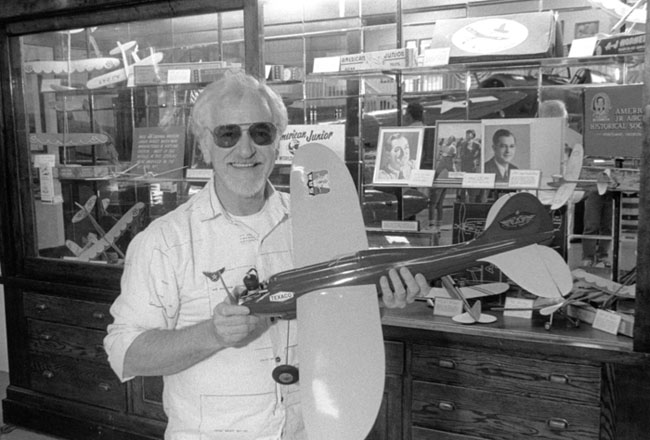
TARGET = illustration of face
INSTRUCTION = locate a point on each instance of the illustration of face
(504, 149)
(599, 105)
(399, 152)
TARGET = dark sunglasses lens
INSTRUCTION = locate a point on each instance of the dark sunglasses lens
(226, 136)
(262, 133)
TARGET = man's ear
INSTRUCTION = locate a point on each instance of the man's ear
(206, 147)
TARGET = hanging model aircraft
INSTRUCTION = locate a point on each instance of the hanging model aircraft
(126, 72)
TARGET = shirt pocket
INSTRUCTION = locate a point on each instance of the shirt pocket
(239, 417)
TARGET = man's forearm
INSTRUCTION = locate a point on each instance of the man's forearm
(165, 352)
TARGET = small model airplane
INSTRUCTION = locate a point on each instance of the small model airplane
(126, 73)
(98, 245)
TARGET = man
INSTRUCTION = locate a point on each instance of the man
(177, 315)
(504, 147)
(396, 163)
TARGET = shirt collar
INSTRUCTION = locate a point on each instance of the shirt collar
(277, 205)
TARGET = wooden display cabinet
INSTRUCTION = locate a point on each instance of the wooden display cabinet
(443, 381)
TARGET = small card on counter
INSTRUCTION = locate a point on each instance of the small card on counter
(607, 321)
(519, 308)
(525, 178)
(422, 178)
(478, 180)
(447, 307)
(438, 56)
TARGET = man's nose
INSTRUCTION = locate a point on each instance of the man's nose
(246, 146)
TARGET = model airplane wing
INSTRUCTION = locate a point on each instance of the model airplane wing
(570, 177)
(341, 377)
(86, 65)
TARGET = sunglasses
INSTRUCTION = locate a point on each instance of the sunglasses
(227, 136)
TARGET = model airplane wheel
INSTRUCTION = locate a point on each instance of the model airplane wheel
(285, 374)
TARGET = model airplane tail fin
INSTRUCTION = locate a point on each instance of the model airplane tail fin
(517, 216)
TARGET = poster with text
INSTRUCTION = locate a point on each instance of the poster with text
(613, 121)
(332, 136)
(159, 151)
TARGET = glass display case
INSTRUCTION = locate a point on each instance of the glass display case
(106, 111)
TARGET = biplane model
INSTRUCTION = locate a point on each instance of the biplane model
(126, 72)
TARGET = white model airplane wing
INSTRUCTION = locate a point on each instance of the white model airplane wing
(538, 269)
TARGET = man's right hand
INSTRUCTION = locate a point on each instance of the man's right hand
(233, 323)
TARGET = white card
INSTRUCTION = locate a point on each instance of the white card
(327, 64)
(436, 56)
(518, 304)
(447, 307)
(524, 178)
(478, 180)
(583, 47)
(422, 178)
(179, 76)
(607, 321)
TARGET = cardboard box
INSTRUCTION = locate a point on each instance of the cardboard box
(620, 45)
(527, 35)
(383, 59)
(84, 172)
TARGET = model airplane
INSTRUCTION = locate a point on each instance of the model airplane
(510, 241)
(126, 73)
(342, 377)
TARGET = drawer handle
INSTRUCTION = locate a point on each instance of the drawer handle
(559, 378)
(40, 307)
(99, 315)
(556, 423)
(104, 386)
(447, 363)
(46, 336)
(447, 406)
(47, 374)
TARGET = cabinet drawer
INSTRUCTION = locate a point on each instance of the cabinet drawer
(527, 377)
(77, 380)
(81, 343)
(67, 311)
(485, 414)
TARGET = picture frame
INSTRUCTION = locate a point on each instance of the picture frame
(539, 145)
(586, 29)
(399, 151)
(458, 148)
(423, 44)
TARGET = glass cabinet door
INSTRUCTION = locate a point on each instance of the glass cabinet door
(106, 114)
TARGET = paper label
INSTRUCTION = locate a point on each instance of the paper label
(524, 178)
(422, 178)
(478, 180)
(518, 304)
(607, 321)
(447, 307)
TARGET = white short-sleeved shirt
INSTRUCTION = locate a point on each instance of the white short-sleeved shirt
(231, 395)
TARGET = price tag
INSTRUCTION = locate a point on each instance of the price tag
(521, 308)
(179, 76)
(447, 307)
(607, 321)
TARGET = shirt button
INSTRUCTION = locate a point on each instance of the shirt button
(277, 359)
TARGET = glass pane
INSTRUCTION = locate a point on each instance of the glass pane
(107, 112)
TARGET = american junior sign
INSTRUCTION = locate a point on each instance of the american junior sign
(332, 136)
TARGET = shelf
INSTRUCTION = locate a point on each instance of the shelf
(489, 65)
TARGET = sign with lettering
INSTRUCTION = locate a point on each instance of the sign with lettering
(159, 150)
(332, 136)
(614, 121)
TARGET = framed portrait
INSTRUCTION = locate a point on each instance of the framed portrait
(399, 152)
(586, 29)
(526, 143)
(458, 148)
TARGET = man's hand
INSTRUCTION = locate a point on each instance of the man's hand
(233, 324)
(405, 289)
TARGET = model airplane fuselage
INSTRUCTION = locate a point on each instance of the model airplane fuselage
(520, 222)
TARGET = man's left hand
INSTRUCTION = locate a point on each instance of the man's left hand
(405, 287)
